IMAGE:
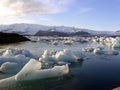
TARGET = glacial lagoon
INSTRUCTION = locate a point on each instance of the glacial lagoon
(87, 70)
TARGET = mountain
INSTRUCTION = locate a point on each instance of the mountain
(29, 29)
(62, 34)
(117, 32)
(51, 33)
(32, 29)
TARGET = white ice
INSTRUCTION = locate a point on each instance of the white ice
(32, 73)
(9, 67)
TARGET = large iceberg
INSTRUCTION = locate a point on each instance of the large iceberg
(32, 71)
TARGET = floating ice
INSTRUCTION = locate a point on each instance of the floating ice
(54, 43)
(12, 60)
(32, 71)
(98, 51)
(105, 52)
(65, 56)
(9, 67)
(115, 45)
(88, 49)
(8, 53)
(7, 82)
(60, 57)
(68, 42)
(28, 70)
(108, 41)
(46, 58)
(12, 52)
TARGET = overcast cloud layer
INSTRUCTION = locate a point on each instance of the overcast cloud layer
(25, 7)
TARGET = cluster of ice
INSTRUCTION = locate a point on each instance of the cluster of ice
(108, 41)
(88, 49)
(59, 40)
(20, 62)
(9, 52)
(64, 56)
(12, 60)
(32, 71)
(100, 51)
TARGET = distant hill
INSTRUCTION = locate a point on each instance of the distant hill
(51, 33)
(6, 38)
(32, 29)
(58, 33)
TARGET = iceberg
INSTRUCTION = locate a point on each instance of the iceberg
(12, 60)
(29, 69)
(88, 49)
(98, 51)
(47, 58)
(8, 53)
(32, 71)
(105, 52)
(7, 82)
(65, 55)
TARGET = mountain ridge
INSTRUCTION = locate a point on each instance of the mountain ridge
(32, 29)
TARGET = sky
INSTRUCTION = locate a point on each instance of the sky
(89, 14)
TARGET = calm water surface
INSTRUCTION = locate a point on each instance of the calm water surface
(96, 73)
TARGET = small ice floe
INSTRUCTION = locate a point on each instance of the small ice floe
(54, 43)
(47, 58)
(92, 49)
(9, 67)
(65, 56)
(9, 52)
(95, 39)
(98, 50)
(68, 42)
(32, 71)
(115, 45)
(105, 52)
(12, 60)
(88, 49)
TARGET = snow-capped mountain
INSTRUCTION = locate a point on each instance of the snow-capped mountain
(32, 29)
(117, 32)
(23, 28)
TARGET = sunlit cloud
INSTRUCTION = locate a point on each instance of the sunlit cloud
(36, 7)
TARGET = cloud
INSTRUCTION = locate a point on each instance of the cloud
(37, 7)
(85, 9)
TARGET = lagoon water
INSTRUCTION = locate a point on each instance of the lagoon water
(97, 72)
